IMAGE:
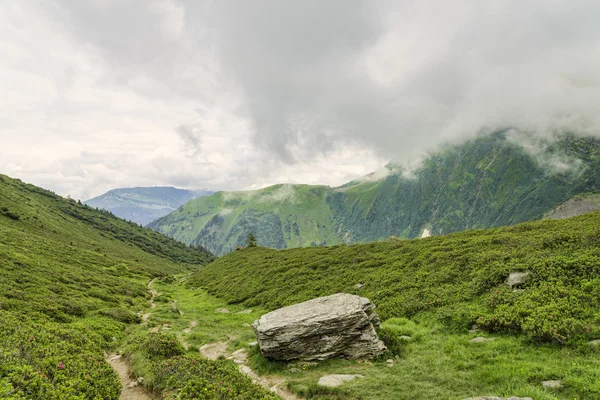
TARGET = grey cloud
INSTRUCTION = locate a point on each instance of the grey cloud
(453, 68)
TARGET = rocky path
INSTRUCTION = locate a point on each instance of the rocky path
(131, 389)
(275, 384)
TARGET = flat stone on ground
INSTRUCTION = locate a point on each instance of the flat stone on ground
(553, 384)
(480, 339)
(222, 310)
(336, 379)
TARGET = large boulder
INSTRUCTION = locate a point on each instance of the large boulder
(341, 325)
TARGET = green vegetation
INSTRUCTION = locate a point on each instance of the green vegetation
(72, 286)
(164, 350)
(490, 181)
(434, 290)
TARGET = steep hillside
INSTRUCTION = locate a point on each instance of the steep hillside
(280, 216)
(143, 205)
(72, 279)
(491, 181)
(578, 205)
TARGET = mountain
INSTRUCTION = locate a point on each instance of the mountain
(73, 285)
(491, 181)
(143, 205)
(576, 206)
(459, 329)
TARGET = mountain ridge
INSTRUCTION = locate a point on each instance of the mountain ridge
(143, 205)
(485, 182)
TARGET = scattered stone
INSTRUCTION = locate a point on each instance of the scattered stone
(213, 351)
(390, 365)
(517, 278)
(239, 356)
(340, 325)
(555, 384)
(132, 384)
(295, 370)
(403, 337)
(498, 398)
(336, 379)
(222, 310)
(359, 286)
(480, 339)
(245, 312)
(253, 344)
(474, 328)
(390, 361)
(594, 343)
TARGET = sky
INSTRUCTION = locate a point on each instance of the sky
(236, 94)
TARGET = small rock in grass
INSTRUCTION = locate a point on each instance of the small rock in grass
(295, 370)
(222, 310)
(336, 379)
(390, 361)
(245, 312)
(253, 344)
(498, 398)
(359, 286)
(247, 325)
(517, 278)
(594, 342)
(480, 339)
(404, 337)
(554, 384)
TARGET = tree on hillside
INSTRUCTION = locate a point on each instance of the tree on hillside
(251, 240)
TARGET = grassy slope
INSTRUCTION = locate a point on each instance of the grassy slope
(446, 284)
(280, 216)
(487, 182)
(71, 280)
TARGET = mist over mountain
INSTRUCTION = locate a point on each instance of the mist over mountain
(143, 205)
(494, 180)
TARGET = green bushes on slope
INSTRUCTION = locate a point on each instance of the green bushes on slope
(459, 279)
(71, 279)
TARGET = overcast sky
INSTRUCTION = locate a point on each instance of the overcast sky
(238, 94)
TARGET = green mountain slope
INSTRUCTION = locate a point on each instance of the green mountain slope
(443, 285)
(143, 205)
(281, 216)
(487, 182)
(72, 279)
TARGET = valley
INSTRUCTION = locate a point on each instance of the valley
(95, 307)
(493, 180)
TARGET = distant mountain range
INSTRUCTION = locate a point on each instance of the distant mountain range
(143, 205)
(490, 181)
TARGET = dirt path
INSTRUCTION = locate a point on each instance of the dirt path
(131, 390)
(275, 384)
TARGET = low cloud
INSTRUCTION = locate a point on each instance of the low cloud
(240, 95)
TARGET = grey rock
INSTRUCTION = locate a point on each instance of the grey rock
(252, 344)
(222, 310)
(403, 337)
(594, 342)
(245, 312)
(481, 340)
(359, 286)
(555, 384)
(336, 379)
(517, 278)
(341, 325)
(499, 398)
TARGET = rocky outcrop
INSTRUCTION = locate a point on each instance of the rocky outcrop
(341, 325)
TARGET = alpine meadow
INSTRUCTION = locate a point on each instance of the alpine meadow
(299, 200)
